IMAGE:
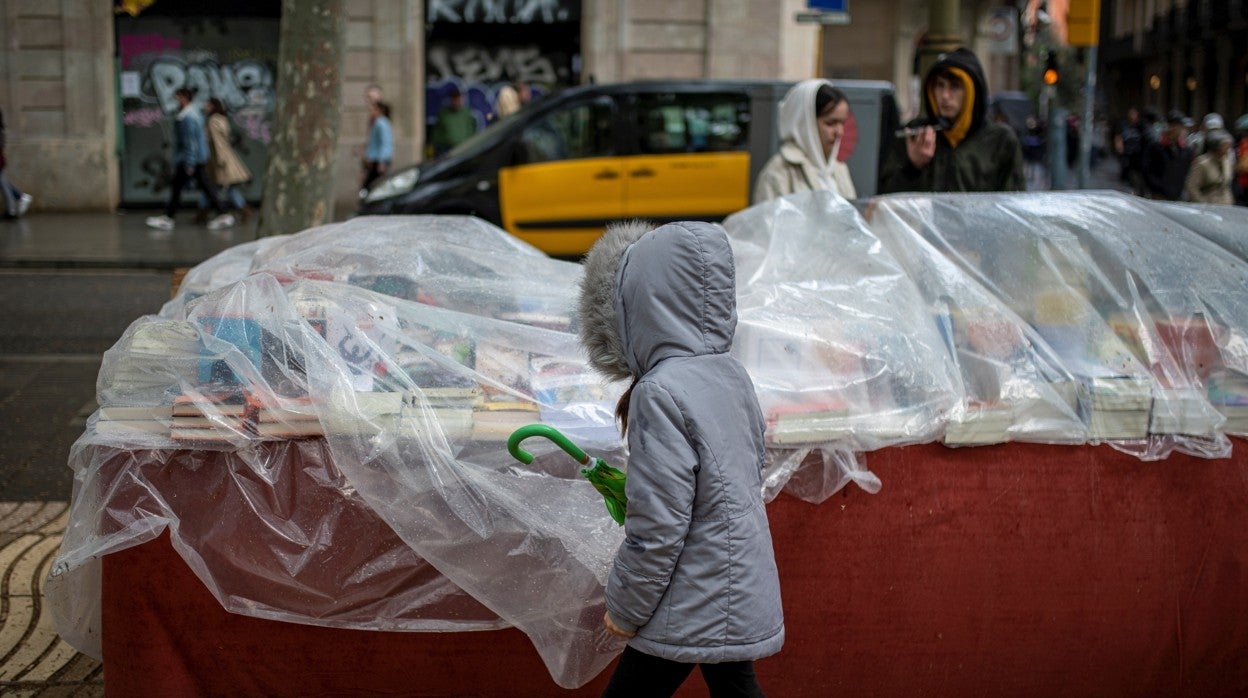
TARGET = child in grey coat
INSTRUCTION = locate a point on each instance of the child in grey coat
(694, 582)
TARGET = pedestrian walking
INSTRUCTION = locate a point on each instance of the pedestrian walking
(511, 97)
(455, 123)
(970, 152)
(1032, 141)
(380, 151)
(225, 168)
(1197, 140)
(190, 155)
(1168, 159)
(16, 202)
(812, 120)
(1210, 177)
(694, 582)
(1129, 143)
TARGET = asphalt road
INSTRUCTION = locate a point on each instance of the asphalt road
(54, 328)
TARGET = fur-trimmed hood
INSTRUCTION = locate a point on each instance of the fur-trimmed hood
(651, 294)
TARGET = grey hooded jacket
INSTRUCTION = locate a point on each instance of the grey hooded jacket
(696, 575)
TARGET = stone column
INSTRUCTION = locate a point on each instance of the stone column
(942, 33)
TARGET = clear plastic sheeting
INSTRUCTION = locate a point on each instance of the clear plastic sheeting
(319, 421)
(841, 348)
(1135, 321)
(1225, 225)
(325, 441)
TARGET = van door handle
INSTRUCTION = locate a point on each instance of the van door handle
(643, 172)
(607, 174)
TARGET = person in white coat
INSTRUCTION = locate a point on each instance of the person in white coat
(1210, 177)
(812, 122)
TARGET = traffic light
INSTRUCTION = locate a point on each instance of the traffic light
(1051, 74)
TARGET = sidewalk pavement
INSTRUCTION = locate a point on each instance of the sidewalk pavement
(105, 240)
(34, 661)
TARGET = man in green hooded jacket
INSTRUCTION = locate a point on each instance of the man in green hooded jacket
(456, 123)
(970, 152)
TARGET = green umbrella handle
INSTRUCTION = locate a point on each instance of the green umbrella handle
(607, 480)
(513, 443)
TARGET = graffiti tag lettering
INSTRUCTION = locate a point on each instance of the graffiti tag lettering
(144, 117)
(247, 83)
(501, 11)
(476, 63)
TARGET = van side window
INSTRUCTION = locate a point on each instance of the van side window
(579, 131)
(693, 123)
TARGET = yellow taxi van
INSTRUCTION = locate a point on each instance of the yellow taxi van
(559, 170)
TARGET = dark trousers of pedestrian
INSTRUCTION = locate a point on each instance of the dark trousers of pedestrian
(372, 171)
(183, 174)
(641, 674)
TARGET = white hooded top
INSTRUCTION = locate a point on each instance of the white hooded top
(800, 165)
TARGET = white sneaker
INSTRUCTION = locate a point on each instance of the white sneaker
(224, 220)
(23, 205)
(160, 222)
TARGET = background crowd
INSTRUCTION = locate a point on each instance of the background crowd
(1175, 158)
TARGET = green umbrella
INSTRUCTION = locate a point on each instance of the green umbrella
(607, 480)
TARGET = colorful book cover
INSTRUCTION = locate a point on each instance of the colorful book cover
(242, 333)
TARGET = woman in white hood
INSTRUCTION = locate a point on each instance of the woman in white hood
(812, 122)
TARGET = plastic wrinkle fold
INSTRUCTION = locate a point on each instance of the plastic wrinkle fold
(319, 420)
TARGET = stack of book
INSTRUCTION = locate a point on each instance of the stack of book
(293, 418)
(1183, 411)
(134, 420)
(797, 425)
(451, 407)
(550, 321)
(406, 412)
(573, 399)
(1119, 407)
(148, 364)
(495, 420)
(1228, 394)
(1048, 413)
(210, 416)
(978, 424)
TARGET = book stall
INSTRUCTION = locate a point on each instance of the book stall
(297, 480)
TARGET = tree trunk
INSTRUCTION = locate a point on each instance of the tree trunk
(299, 178)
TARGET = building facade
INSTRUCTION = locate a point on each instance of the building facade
(87, 94)
(1190, 55)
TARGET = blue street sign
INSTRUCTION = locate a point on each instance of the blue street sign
(828, 5)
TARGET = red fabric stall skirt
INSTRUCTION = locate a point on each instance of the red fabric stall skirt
(1019, 570)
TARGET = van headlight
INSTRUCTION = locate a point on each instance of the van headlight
(400, 183)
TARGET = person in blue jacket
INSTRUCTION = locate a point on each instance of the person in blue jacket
(380, 151)
(190, 155)
(694, 584)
